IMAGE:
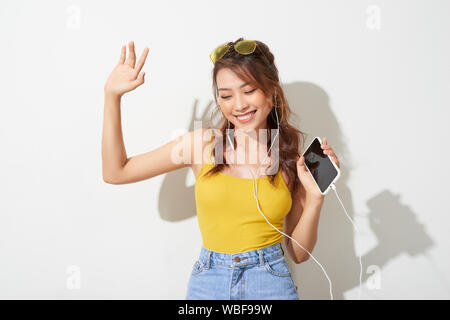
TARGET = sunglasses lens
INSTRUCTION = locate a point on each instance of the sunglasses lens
(245, 46)
(219, 52)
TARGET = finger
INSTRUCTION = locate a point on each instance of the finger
(122, 54)
(137, 82)
(335, 159)
(329, 152)
(131, 55)
(324, 140)
(325, 146)
(141, 61)
(301, 164)
(141, 76)
(337, 162)
(140, 79)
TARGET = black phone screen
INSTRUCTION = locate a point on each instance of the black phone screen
(320, 166)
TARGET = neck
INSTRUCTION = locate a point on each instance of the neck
(251, 145)
(252, 135)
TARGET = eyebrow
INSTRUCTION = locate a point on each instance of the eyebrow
(230, 89)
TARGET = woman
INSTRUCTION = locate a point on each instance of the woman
(240, 212)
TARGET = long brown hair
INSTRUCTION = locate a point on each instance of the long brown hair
(260, 70)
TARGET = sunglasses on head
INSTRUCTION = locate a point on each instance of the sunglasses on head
(244, 47)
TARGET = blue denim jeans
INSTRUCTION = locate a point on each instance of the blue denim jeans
(260, 274)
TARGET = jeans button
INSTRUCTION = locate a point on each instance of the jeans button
(237, 259)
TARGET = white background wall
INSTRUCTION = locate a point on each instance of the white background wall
(371, 76)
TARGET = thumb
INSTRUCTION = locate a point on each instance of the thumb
(301, 163)
(139, 80)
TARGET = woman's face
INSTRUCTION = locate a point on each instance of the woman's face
(239, 98)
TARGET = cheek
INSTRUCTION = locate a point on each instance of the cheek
(263, 106)
(226, 104)
(259, 100)
(265, 112)
(227, 108)
(263, 103)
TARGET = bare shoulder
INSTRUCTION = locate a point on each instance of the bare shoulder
(200, 137)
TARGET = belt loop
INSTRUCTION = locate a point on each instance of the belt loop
(208, 259)
(261, 258)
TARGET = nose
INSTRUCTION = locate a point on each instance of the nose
(241, 105)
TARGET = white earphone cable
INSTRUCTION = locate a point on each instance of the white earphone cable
(255, 191)
(359, 240)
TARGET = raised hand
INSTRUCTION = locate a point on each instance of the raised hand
(126, 75)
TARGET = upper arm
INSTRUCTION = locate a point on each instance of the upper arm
(293, 217)
(176, 154)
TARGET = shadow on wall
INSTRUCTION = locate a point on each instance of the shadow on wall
(392, 222)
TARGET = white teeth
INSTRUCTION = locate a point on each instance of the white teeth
(247, 116)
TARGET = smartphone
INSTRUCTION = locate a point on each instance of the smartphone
(322, 168)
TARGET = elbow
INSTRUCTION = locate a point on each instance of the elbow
(305, 255)
(109, 180)
(302, 259)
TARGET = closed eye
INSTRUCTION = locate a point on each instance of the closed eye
(248, 92)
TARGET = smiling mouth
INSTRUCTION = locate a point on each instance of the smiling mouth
(246, 116)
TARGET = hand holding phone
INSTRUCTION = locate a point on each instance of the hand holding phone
(317, 171)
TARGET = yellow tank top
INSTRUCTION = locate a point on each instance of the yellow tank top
(227, 213)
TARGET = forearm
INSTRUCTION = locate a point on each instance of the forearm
(114, 155)
(305, 232)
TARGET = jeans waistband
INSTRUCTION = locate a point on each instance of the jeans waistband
(260, 256)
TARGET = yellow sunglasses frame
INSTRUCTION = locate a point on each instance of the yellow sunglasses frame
(244, 47)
